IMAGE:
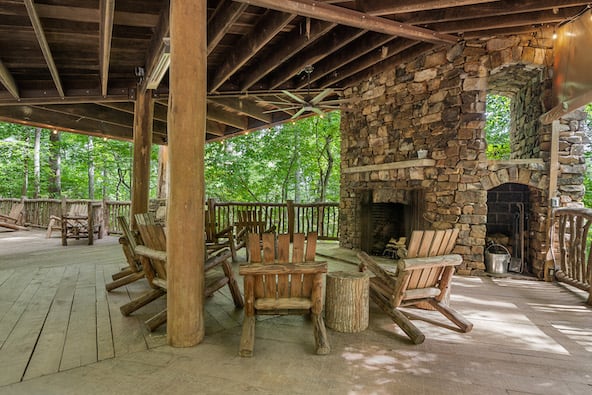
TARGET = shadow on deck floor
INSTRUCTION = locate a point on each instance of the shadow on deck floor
(61, 333)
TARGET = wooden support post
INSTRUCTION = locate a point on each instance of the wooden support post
(143, 119)
(185, 211)
(291, 218)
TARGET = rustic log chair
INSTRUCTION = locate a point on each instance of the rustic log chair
(423, 277)
(276, 283)
(219, 239)
(250, 221)
(15, 219)
(133, 272)
(153, 257)
(75, 210)
(81, 221)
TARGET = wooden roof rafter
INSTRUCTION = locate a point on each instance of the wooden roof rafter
(42, 40)
(106, 31)
(8, 81)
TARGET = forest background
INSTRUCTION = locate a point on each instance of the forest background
(298, 161)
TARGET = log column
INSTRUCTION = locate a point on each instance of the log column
(143, 118)
(186, 136)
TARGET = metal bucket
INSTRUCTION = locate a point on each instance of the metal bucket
(497, 262)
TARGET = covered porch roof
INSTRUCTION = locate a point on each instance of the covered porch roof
(78, 65)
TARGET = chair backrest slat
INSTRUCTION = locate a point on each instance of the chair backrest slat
(298, 248)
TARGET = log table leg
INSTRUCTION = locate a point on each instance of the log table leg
(346, 303)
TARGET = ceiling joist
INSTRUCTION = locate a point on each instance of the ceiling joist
(42, 40)
(222, 20)
(388, 7)
(106, 31)
(8, 81)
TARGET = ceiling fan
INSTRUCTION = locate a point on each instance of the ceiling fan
(308, 103)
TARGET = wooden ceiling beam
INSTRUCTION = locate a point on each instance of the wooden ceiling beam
(42, 40)
(92, 15)
(222, 20)
(271, 23)
(499, 8)
(157, 58)
(368, 61)
(291, 46)
(106, 32)
(389, 7)
(353, 18)
(389, 64)
(8, 81)
(226, 117)
(214, 128)
(242, 106)
(370, 42)
(336, 39)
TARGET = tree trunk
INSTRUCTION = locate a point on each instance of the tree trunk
(37, 163)
(25, 185)
(55, 164)
(91, 169)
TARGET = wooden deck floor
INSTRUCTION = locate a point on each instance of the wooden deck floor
(55, 315)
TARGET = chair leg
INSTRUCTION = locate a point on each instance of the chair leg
(237, 297)
(156, 321)
(124, 272)
(416, 336)
(320, 334)
(141, 301)
(124, 281)
(453, 315)
(247, 341)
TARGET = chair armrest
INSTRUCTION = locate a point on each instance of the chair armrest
(283, 268)
(150, 253)
(215, 260)
(227, 232)
(429, 262)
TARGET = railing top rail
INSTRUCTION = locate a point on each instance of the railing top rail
(581, 211)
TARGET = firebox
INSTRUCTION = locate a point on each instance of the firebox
(389, 214)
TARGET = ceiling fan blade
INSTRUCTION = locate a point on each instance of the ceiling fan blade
(318, 98)
(318, 111)
(295, 97)
(281, 109)
(299, 113)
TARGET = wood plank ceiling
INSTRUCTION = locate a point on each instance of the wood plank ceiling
(76, 65)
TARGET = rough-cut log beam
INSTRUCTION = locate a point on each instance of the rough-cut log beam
(221, 21)
(344, 16)
(395, 47)
(335, 40)
(157, 47)
(272, 22)
(349, 54)
(92, 15)
(246, 107)
(106, 31)
(228, 118)
(292, 45)
(389, 7)
(40, 33)
(8, 81)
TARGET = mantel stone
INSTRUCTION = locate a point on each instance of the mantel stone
(391, 166)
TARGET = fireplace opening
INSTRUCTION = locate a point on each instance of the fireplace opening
(507, 222)
(388, 216)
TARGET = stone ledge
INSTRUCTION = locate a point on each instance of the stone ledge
(391, 166)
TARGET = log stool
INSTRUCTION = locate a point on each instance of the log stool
(346, 302)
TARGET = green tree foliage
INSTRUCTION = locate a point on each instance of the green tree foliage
(497, 126)
(277, 164)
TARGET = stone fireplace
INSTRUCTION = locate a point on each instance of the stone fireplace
(436, 103)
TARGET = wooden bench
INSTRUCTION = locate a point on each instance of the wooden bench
(283, 283)
(423, 277)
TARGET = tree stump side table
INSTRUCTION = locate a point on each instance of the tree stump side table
(347, 301)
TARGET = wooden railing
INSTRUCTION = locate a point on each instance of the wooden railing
(574, 252)
(288, 217)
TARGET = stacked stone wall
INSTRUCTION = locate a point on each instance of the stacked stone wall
(437, 103)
